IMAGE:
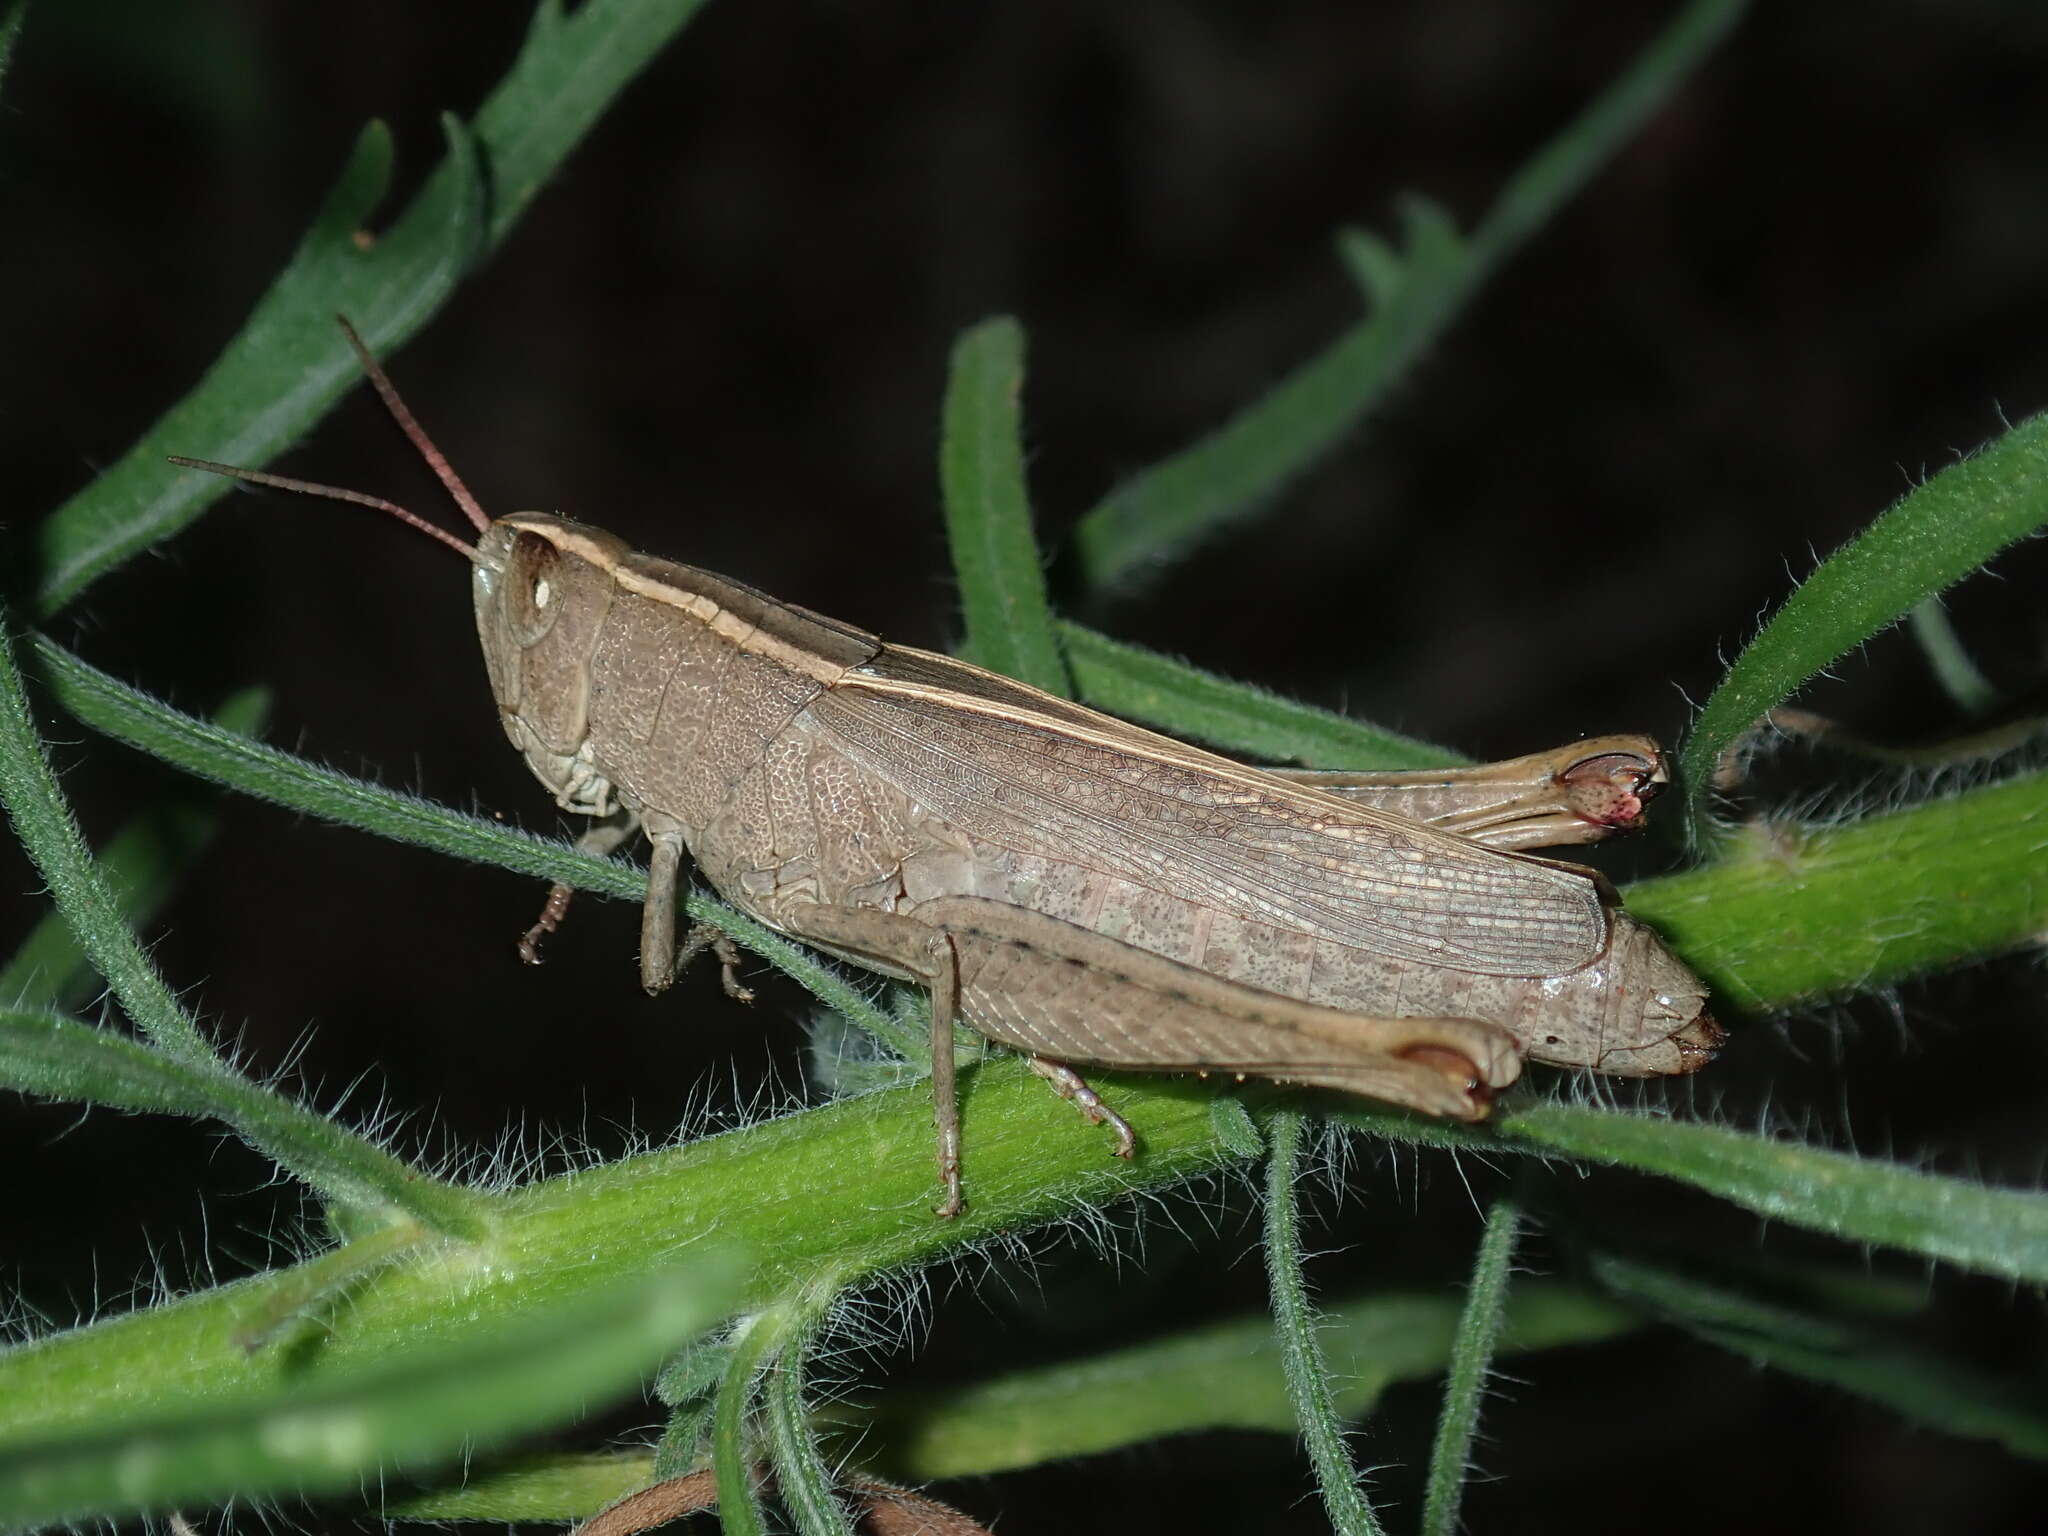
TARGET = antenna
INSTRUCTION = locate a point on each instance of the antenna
(415, 434)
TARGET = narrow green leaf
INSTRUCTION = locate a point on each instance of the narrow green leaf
(141, 863)
(1234, 1126)
(1221, 1375)
(309, 1292)
(802, 1479)
(1294, 1321)
(439, 1400)
(755, 1341)
(288, 365)
(1927, 541)
(1579, 153)
(1156, 690)
(1237, 468)
(1479, 1331)
(1995, 1231)
(1886, 1364)
(43, 821)
(988, 511)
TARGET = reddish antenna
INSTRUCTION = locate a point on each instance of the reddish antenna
(436, 461)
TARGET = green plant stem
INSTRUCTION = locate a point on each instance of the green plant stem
(1807, 913)
(1294, 1322)
(1479, 1328)
(1790, 913)
(847, 1188)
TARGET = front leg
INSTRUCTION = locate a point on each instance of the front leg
(599, 839)
(658, 911)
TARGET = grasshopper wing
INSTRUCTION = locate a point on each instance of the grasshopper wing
(1053, 780)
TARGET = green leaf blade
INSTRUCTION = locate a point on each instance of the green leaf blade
(1860, 1200)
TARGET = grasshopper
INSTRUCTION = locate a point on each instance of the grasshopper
(1070, 885)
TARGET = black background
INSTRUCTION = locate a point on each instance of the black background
(722, 333)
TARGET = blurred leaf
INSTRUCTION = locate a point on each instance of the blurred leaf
(1887, 1365)
(560, 1487)
(1221, 1375)
(1415, 295)
(446, 1396)
(10, 34)
(1949, 659)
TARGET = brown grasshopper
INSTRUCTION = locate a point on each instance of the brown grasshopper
(1068, 884)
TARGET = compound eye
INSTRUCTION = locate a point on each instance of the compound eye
(533, 587)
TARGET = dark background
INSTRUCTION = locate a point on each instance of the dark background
(722, 333)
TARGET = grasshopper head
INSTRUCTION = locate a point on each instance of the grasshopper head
(543, 586)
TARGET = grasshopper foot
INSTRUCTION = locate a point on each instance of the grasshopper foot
(552, 911)
(707, 936)
(1070, 1085)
